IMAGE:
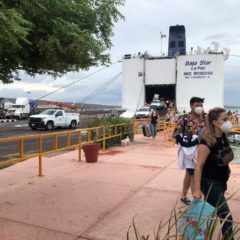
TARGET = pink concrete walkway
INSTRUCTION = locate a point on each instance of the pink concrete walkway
(95, 201)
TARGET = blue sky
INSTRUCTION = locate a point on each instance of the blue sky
(205, 22)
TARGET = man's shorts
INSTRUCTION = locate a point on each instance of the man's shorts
(190, 171)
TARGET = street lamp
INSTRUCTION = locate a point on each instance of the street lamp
(162, 36)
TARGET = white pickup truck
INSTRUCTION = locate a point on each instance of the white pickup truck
(51, 118)
(143, 112)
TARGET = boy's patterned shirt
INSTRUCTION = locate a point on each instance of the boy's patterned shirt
(188, 125)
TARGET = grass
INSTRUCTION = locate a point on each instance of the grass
(169, 229)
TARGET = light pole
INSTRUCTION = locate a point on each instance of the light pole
(162, 36)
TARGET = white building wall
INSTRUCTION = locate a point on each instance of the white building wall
(201, 76)
(133, 90)
(197, 75)
(160, 71)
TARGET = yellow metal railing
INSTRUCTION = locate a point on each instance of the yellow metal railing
(169, 128)
(236, 129)
(96, 134)
(168, 132)
(166, 127)
(138, 123)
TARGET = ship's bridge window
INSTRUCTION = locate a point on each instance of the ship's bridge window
(182, 52)
(181, 44)
(17, 106)
(172, 44)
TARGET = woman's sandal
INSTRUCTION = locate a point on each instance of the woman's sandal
(185, 200)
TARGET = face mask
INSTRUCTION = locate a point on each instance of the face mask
(226, 126)
(198, 110)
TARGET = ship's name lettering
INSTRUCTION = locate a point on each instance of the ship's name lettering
(201, 63)
(191, 63)
(198, 68)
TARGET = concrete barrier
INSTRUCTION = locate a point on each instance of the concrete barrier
(7, 120)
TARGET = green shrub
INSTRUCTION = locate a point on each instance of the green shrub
(108, 121)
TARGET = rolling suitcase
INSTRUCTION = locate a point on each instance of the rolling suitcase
(146, 130)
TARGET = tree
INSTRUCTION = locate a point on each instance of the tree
(54, 36)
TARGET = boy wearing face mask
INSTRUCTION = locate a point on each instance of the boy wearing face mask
(187, 126)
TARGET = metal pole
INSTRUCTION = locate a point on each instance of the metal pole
(104, 140)
(21, 148)
(173, 139)
(79, 146)
(69, 139)
(56, 142)
(89, 135)
(143, 91)
(164, 132)
(97, 135)
(40, 156)
(161, 42)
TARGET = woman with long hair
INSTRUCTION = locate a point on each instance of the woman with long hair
(154, 118)
(212, 170)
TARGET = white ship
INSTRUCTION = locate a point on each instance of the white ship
(177, 77)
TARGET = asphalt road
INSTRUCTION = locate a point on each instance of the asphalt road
(10, 150)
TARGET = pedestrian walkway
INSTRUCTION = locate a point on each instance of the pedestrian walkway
(96, 201)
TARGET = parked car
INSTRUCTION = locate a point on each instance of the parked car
(51, 118)
(143, 112)
(156, 103)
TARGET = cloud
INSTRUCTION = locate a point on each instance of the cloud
(28, 87)
(36, 79)
(205, 21)
(217, 36)
(232, 85)
(232, 97)
(77, 85)
(112, 95)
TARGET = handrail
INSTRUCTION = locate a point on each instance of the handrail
(138, 123)
(169, 128)
(168, 132)
(102, 133)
